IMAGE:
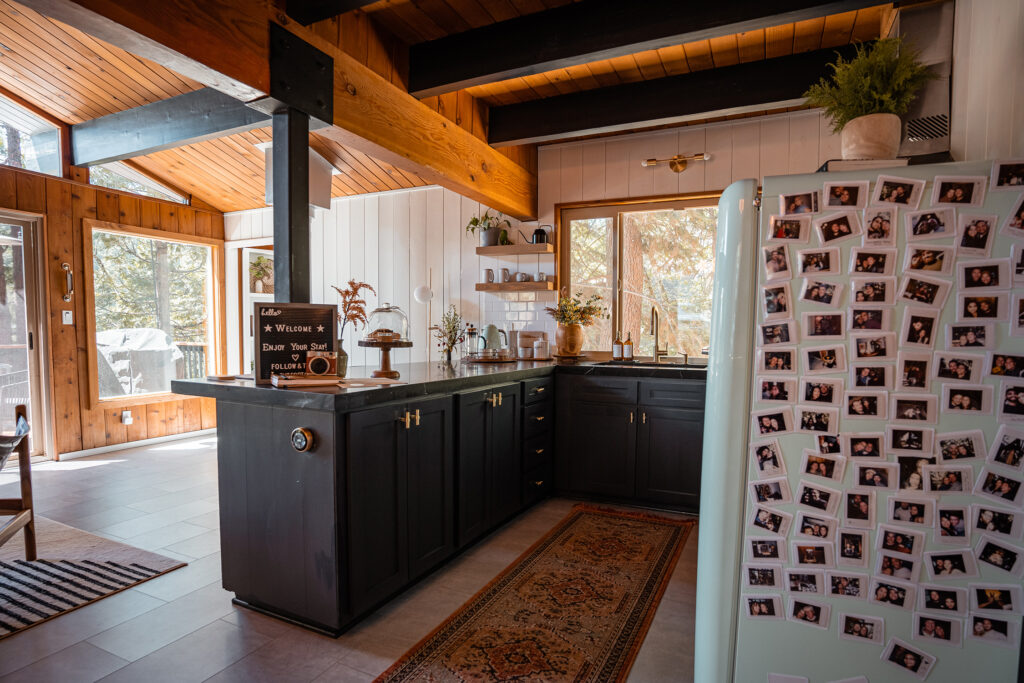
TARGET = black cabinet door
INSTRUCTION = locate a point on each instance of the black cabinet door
(473, 487)
(378, 558)
(669, 456)
(600, 446)
(506, 474)
(431, 476)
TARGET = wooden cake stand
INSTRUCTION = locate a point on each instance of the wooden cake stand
(385, 355)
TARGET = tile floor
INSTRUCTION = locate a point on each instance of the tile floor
(183, 627)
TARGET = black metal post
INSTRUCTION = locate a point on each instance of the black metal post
(291, 206)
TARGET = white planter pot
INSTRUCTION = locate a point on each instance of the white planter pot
(875, 136)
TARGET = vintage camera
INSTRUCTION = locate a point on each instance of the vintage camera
(321, 363)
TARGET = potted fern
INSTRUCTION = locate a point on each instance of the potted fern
(866, 95)
(490, 227)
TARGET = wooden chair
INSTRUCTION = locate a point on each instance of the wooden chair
(20, 508)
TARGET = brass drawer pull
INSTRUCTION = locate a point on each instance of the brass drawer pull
(539, 451)
(539, 483)
(493, 400)
(405, 419)
(539, 390)
(643, 417)
(416, 416)
(631, 417)
(499, 399)
(539, 418)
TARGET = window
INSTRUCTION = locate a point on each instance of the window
(27, 140)
(119, 176)
(638, 256)
(152, 303)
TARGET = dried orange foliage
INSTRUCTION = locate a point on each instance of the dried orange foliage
(353, 307)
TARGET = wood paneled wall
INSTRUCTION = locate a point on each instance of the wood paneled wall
(63, 204)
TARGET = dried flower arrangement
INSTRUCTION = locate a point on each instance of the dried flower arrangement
(571, 310)
(353, 307)
(450, 332)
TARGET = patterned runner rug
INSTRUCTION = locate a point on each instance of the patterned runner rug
(74, 569)
(574, 607)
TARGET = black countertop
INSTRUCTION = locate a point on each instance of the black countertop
(420, 379)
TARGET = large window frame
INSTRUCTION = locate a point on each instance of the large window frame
(614, 208)
(217, 354)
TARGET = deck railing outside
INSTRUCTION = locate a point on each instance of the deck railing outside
(193, 364)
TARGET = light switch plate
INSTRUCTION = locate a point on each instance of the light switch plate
(67, 317)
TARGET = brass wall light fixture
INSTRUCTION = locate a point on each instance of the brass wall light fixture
(678, 162)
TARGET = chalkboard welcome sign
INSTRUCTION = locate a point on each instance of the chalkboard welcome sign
(285, 332)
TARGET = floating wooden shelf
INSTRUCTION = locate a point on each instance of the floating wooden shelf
(515, 286)
(516, 249)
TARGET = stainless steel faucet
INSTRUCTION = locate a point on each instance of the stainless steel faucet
(659, 352)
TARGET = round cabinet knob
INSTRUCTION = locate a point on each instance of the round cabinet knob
(302, 439)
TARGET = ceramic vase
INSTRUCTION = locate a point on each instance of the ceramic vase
(874, 136)
(342, 360)
(569, 339)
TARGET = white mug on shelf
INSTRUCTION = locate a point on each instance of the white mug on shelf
(542, 276)
(506, 275)
(487, 275)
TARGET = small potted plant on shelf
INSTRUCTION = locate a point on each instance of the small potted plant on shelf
(865, 97)
(490, 227)
(351, 310)
(449, 333)
(573, 314)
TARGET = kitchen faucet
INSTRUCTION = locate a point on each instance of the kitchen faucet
(659, 352)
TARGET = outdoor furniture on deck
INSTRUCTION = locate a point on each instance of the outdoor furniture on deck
(19, 508)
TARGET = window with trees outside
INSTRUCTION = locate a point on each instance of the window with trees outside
(28, 141)
(659, 254)
(153, 307)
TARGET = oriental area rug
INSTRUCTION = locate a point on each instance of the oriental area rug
(574, 607)
(74, 569)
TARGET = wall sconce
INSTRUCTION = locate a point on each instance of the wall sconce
(678, 162)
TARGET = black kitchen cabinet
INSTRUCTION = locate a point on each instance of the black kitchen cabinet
(602, 448)
(666, 469)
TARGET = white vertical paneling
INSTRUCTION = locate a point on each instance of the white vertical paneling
(357, 268)
(616, 170)
(746, 150)
(829, 146)
(265, 228)
(316, 265)
(328, 250)
(549, 183)
(593, 170)
(454, 235)
(435, 251)
(692, 140)
(385, 247)
(667, 145)
(718, 170)
(774, 146)
(418, 273)
(400, 263)
(469, 300)
(232, 222)
(803, 143)
(342, 267)
(641, 178)
(371, 235)
(571, 172)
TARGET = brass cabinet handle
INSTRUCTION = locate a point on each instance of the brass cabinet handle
(539, 390)
(643, 417)
(405, 419)
(631, 417)
(416, 416)
(499, 399)
(493, 400)
(539, 451)
(539, 418)
(539, 483)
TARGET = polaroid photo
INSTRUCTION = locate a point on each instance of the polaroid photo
(799, 203)
(821, 390)
(861, 628)
(983, 275)
(764, 606)
(777, 420)
(1003, 488)
(1007, 174)
(912, 470)
(920, 290)
(789, 229)
(891, 593)
(871, 261)
(762, 576)
(876, 475)
(969, 336)
(898, 567)
(818, 261)
(936, 629)
(821, 292)
(765, 549)
(909, 440)
(912, 371)
(1014, 223)
(930, 224)
(1008, 447)
(776, 389)
(846, 585)
(910, 659)
(869, 319)
(945, 599)
(956, 366)
(913, 510)
(812, 554)
(873, 346)
(836, 227)
(1017, 315)
(829, 444)
(829, 467)
(848, 195)
(960, 445)
(772, 521)
(1017, 261)
(870, 292)
(809, 613)
(994, 306)
(987, 597)
(946, 478)
(818, 326)
(776, 262)
(967, 398)
(974, 233)
(1005, 365)
(1010, 401)
(819, 360)
(864, 447)
(899, 541)
(870, 376)
(991, 630)
(779, 332)
(776, 301)
(767, 459)
(914, 408)
(953, 524)
(815, 419)
(920, 325)
(878, 227)
(950, 190)
(1000, 555)
(950, 564)
(805, 581)
(821, 499)
(859, 510)
(930, 259)
(777, 360)
(769, 492)
(865, 405)
(895, 191)
(853, 545)
(996, 521)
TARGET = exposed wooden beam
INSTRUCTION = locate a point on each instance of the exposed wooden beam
(731, 89)
(592, 30)
(308, 12)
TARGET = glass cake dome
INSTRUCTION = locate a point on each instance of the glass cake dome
(387, 324)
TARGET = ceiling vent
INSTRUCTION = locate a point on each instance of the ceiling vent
(928, 29)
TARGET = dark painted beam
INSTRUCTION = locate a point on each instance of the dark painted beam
(661, 101)
(591, 30)
(181, 120)
(307, 12)
(290, 158)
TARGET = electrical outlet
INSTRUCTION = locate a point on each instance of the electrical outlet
(126, 417)
(67, 317)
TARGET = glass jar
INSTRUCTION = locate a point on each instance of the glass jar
(387, 324)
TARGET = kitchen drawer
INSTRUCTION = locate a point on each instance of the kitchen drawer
(538, 450)
(537, 485)
(598, 389)
(539, 389)
(673, 393)
(537, 419)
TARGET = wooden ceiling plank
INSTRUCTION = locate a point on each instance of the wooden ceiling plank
(443, 15)
(807, 35)
(698, 55)
(354, 31)
(751, 45)
(376, 171)
(725, 51)
(626, 69)
(500, 10)
(649, 64)
(867, 25)
(524, 7)
(408, 24)
(583, 77)
(470, 10)
(356, 170)
(42, 94)
(604, 72)
(838, 29)
(673, 60)
(562, 81)
(778, 41)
